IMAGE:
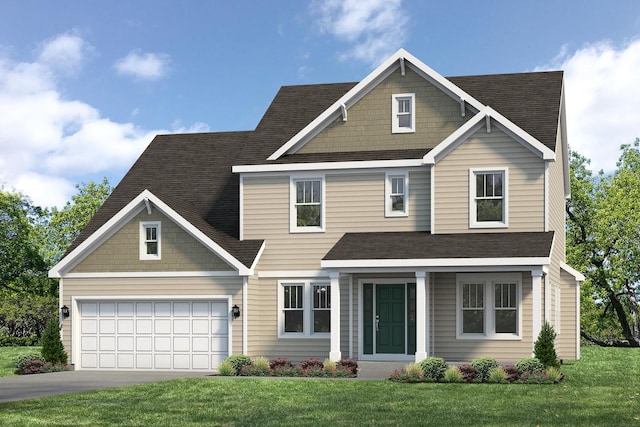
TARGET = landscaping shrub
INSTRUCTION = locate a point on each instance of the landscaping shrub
(497, 375)
(411, 373)
(512, 373)
(529, 364)
(329, 366)
(468, 372)
(226, 369)
(483, 366)
(311, 364)
(544, 349)
(349, 366)
(534, 377)
(30, 364)
(52, 348)
(433, 368)
(280, 363)
(554, 374)
(19, 341)
(452, 375)
(238, 361)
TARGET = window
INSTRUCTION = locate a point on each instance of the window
(403, 113)
(489, 306)
(307, 205)
(305, 309)
(150, 240)
(488, 198)
(396, 199)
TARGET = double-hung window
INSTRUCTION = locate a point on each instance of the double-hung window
(307, 205)
(150, 240)
(488, 198)
(489, 305)
(403, 113)
(305, 309)
(397, 194)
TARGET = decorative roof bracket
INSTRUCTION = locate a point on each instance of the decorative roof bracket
(462, 107)
(488, 120)
(402, 66)
(343, 109)
(147, 203)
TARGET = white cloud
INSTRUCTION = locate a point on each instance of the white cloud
(145, 66)
(374, 28)
(49, 143)
(603, 99)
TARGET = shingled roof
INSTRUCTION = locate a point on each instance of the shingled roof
(192, 172)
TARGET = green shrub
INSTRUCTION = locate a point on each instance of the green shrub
(544, 349)
(329, 366)
(261, 363)
(433, 368)
(19, 341)
(554, 374)
(413, 369)
(529, 364)
(483, 366)
(52, 348)
(226, 369)
(238, 361)
(497, 375)
(30, 364)
(452, 375)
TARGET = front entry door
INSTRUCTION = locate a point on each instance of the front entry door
(390, 319)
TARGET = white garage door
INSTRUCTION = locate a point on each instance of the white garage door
(167, 335)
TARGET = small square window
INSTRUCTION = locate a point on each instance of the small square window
(403, 113)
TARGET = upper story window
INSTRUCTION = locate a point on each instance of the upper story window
(307, 205)
(488, 203)
(403, 113)
(489, 306)
(305, 309)
(150, 238)
(397, 195)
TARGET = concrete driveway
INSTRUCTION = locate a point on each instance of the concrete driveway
(19, 387)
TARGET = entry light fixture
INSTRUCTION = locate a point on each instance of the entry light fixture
(64, 310)
(236, 311)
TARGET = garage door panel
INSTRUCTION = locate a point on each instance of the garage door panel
(182, 335)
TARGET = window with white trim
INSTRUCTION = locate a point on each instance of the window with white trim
(489, 305)
(488, 198)
(307, 205)
(150, 240)
(397, 195)
(403, 113)
(305, 309)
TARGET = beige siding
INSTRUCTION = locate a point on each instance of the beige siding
(446, 344)
(568, 342)
(369, 121)
(179, 251)
(495, 149)
(354, 203)
(150, 288)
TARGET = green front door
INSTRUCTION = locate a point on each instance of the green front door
(390, 319)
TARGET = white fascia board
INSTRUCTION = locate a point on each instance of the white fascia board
(572, 271)
(258, 255)
(453, 140)
(125, 214)
(368, 83)
(151, 274)
(324, 166)
(436, 262)
(287, 274)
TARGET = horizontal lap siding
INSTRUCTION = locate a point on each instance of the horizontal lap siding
(567, 341)
(354, 203)
(150, 288)
(447, 346)
(488, 150)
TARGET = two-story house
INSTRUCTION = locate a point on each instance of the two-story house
(404, 216)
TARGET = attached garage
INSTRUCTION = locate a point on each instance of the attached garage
(141, 334)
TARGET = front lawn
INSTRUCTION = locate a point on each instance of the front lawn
(601, 389)
(9, 355)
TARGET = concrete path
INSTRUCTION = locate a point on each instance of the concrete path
(19, 387)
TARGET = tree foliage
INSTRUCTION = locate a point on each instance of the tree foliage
(603, 240)
(52, 348)
(544, 347)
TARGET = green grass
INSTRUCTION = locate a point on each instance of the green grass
(8, 356)
(603, 389)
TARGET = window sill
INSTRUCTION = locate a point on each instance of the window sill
(306, 230)
(488, 225)
(477, 337)
(396, 214)
(299, 336)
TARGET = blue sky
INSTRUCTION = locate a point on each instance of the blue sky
(84, 86)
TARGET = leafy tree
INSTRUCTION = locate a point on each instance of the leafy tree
(603, 236)
(66, 224)
(52, 348)
(26, 315)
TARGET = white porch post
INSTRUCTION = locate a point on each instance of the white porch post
(422, 306)
(536, 279)
(335, 353)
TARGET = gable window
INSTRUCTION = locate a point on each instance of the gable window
(403, 113)
(489, 306)
(307, 205)
(150, 240)
(488, 198)
(305, 309)
(396, 200)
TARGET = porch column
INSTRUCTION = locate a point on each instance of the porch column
(422, 315)
(335, 353)
(536, 279)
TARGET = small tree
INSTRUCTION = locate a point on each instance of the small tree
(52, 348)
(544, 349)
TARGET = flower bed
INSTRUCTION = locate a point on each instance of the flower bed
(481, 370)
(36, 364)
(282, 367)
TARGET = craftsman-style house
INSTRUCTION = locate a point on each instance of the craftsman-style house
(404, 216)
